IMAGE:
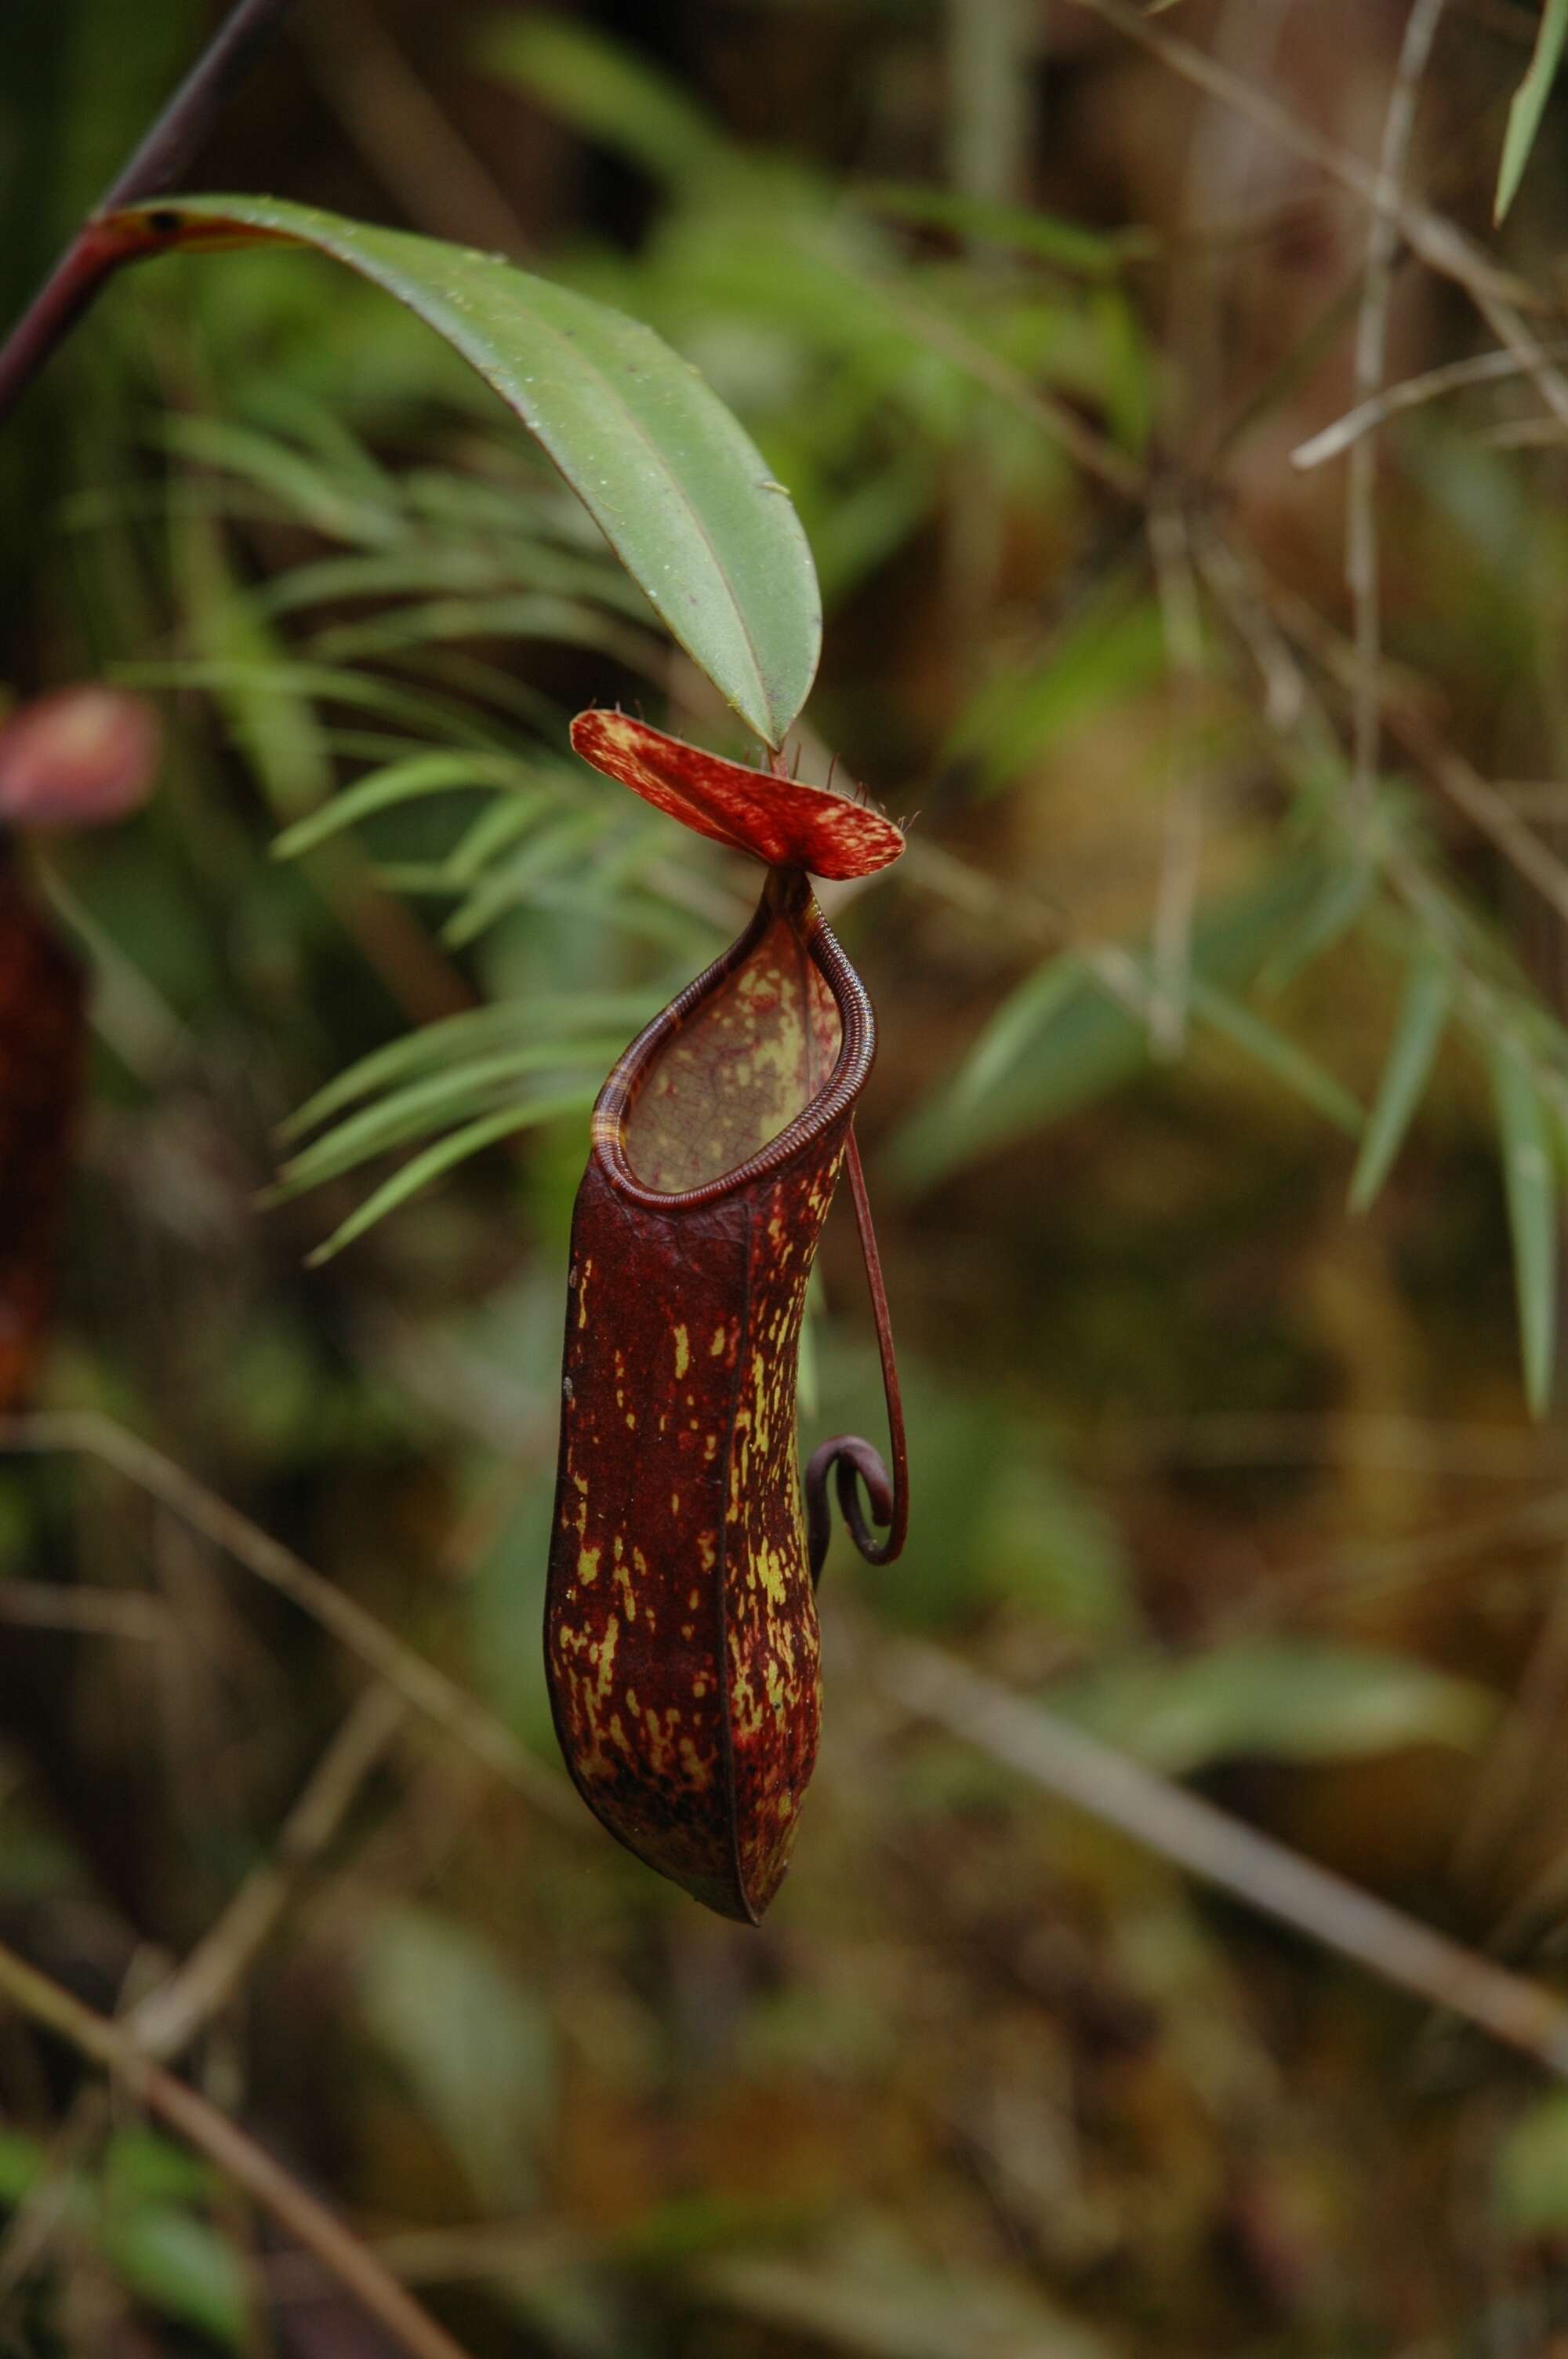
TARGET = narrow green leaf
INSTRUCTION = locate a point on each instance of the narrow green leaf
(455, 1148)
(496, 828)
(1101, 657)
(1530, 103)
(605, 91)
(1531, 2169)
(675, 484)
(548, 851)
(431, 1104)
(1288, 1063)
(1087, 253)
(317, 495)
(447, 717)
(469, 1034)
(1422, 1019)
(1287, 1700)
(399, 782)
(183, 2268)
(1530, 1180)
(1021, 1017)
(514, 614)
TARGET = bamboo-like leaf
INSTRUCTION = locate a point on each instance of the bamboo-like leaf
(431, 1104)
(606, 90)
(1530, 1180)
(317, 495)
(455, 1148)
(1418, 1034)
(1087, 252)
(1530, 103)
(1021, 1017)
(400, 782)
(448, 718)
(674, 482)
(1284, 1059)
(476, 1030)
(548, 851)
(514, 614)
(501, 824)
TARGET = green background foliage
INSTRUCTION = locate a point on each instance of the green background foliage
(1216, 1141)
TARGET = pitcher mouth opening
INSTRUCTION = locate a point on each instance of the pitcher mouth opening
(787, 902)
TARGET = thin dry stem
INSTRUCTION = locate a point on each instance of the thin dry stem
(430, 1691)
(170, 2017)
(1440, 245)
(1361, 550)
(234, 2151)
(1453, 376)
(1225, 1851)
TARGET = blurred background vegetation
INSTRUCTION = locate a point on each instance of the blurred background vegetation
(1211, 856)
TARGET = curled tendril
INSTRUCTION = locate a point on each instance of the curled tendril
(849, 1460)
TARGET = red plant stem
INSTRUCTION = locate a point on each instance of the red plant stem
(893, 1545)
(168, 147)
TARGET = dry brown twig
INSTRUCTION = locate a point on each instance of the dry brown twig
(83, 1432)
(234, 2152)
(1440, 245)
(1222, 1851)
(170, 2016)
(1361, 550)
(1412, 392)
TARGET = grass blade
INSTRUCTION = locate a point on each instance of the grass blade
(1288, 1063)
(455, 1148)
(1530, 103)
(1530, 1181)
(399, 782)
(1418, 1034)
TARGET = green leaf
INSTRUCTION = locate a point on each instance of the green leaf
(431, 1103)
(1422, 1020)
(1021, 1017)
(1530, 103)
(677, 485)
(604, 91)
(183, 2268)
(1088, 253)
(1531, 2172)
(1288, 1063)
(1530, 1180)
(1089, 1043)
(1101, 658)
(453, 1150)
(511, 615)
(472, 2041)
(1279, 1699)
(476, 1030)
(515, 881)
(23, 2162)
(399, 782)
